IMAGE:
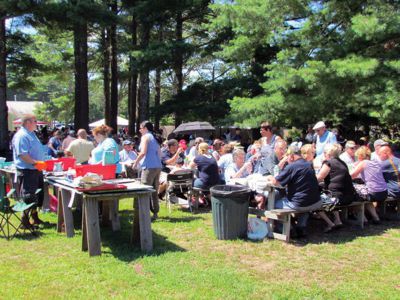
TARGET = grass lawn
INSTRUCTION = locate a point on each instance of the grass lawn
(189, 263)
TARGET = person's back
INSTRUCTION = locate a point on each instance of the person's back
(373, 177)
(80, 148)
(208, 169)
(338, 181)
(303, 189)
(390, 170)
(152, 159)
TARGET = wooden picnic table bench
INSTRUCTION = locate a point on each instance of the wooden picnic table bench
(284, 216)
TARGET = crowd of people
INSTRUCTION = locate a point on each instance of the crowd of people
(300, 170)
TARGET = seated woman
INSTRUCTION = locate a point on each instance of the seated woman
(105, 145)
(239, 168)
(371, 174)
(207, 167)
(335, 174)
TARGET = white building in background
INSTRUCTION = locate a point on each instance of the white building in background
(18, 108)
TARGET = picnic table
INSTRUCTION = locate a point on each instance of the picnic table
(139, 193)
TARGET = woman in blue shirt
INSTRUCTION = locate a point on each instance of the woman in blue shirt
(150, 159)
(107, 149)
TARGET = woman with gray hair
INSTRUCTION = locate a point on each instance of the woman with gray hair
(335, 174)
(239, 168)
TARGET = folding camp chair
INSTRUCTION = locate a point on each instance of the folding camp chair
(9, 213)
(181, 182)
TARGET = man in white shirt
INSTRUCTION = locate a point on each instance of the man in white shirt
(348, 156)
(127, 157)
(377, 145)
(80, 148)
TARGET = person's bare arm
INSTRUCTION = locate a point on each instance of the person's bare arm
(143, 146)
(358, 169)
(323, 172)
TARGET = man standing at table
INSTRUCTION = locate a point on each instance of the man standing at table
(27, 151)
(80, 148)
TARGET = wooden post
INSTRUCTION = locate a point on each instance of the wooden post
(84, 227)
(67, 212)
(92, 226)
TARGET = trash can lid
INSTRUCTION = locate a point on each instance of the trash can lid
(228, 190)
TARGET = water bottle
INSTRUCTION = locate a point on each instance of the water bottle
(70, 175)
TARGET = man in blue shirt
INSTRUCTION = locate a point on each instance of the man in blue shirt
(27, 151)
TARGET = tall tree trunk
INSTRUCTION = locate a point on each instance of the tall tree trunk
(178, 63)
(132, 93)
(4, 138)
(157, 97)
(143, 110)
(114, 72)
(105, 39)
(81, 76)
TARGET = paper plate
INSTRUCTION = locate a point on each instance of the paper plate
(256, 229)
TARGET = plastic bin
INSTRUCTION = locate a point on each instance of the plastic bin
(230, 208)
(107, 171)
(67, 162)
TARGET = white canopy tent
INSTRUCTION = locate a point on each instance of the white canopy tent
(121, 122)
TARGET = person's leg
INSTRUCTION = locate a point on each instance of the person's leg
(31, 181)
(328, 221)
(337, 221)
(156, 184)
(372, 211)
(147, 180)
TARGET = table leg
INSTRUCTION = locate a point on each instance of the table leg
(46, 200)
(135, 236)
(84, 228)
(271, 206)
(105, 213)
(114, 215)
(60, 215)
(146, 236)
(92, 226)
(67, 212)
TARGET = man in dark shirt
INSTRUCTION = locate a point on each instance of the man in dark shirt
(390, 170)
(172, 155)
(302, 186)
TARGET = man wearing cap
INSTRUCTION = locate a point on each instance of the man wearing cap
(348, 156)
(172, 155)
(80, 148)
(324, 137)
(127, 157)
(377, 145)
(390, 170)
(302, 187)
(27, 151)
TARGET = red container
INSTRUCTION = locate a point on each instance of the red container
(108, 171)
(67, 162)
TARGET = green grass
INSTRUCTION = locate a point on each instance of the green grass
(189, 263)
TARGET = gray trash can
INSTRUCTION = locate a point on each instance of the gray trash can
(230, 207)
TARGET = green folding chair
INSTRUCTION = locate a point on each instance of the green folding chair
(10, 222)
